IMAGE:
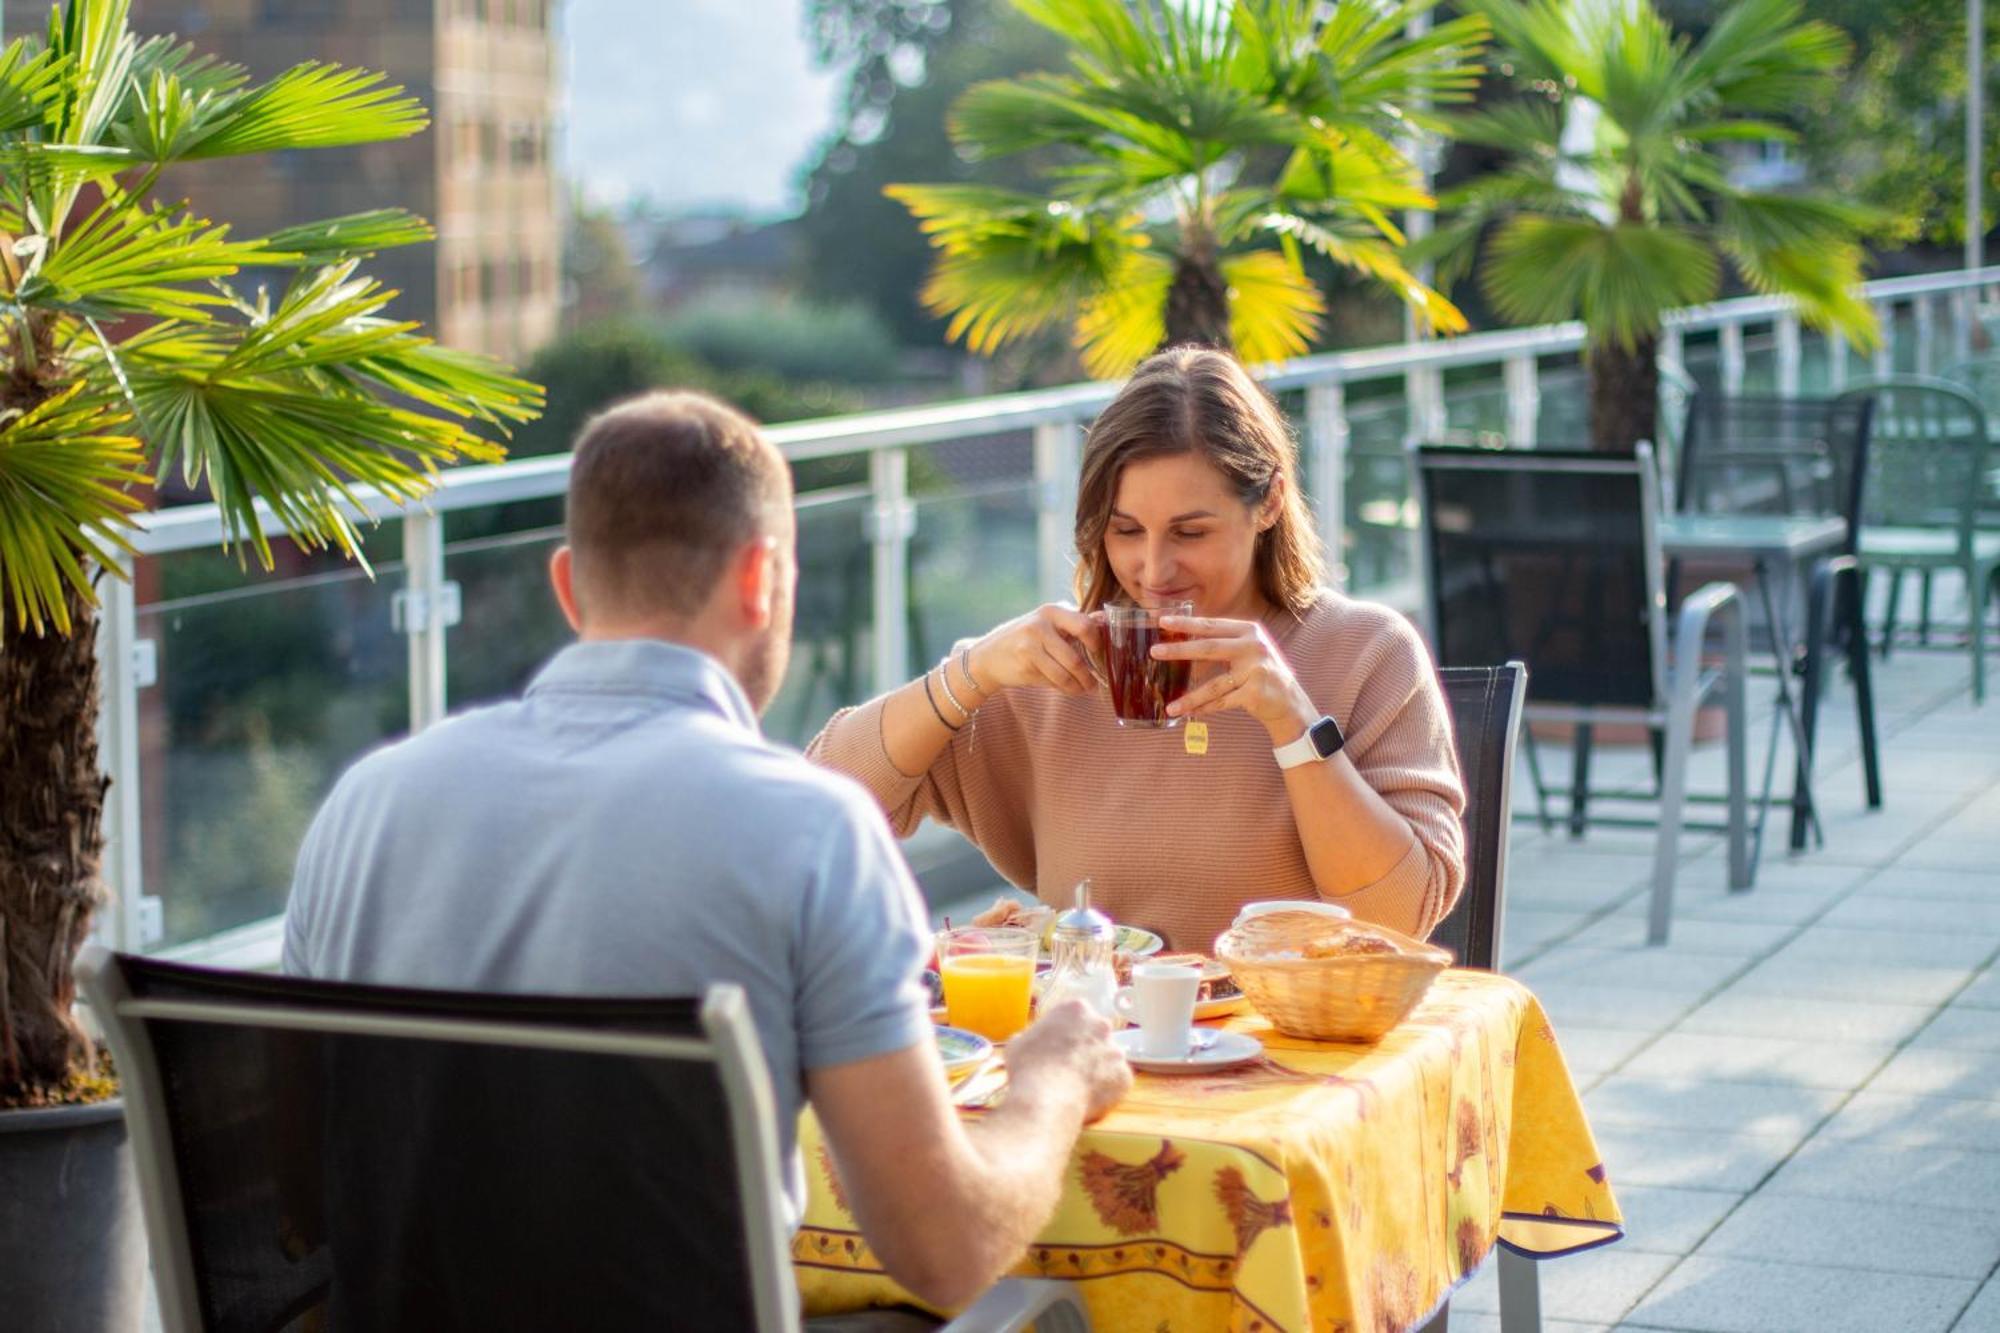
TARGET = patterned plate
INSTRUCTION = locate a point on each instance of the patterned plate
(1139, 943)
(961, 1051)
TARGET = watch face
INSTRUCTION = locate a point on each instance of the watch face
(1326, 737)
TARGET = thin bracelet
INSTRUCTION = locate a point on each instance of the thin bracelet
(944, 679)
(965, 665)
(934, 708)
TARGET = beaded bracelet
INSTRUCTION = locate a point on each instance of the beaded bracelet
(934, 707)
(944, 679)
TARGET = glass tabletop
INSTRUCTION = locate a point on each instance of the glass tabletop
(1751, 535)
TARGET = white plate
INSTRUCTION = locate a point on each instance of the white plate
(1228, 1050)
(1221, 1008)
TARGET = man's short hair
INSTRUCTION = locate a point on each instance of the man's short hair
(664, 488)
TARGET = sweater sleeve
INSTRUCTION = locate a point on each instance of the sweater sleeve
(851, 743)
(1399, 738)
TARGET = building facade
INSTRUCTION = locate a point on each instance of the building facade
(483, 173)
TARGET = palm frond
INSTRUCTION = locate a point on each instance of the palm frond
(1621, 279)
(96, 47)
(332, 240)
(29, 82)
(129, 260)
(1125, 319)
(1374, 258)
(1274, 309)
(1764, 56)
(65, 468)
(1038, 111)
(312, 105)
(1101, 30)
(1802, 247)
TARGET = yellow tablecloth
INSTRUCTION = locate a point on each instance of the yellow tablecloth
(1327, 1187)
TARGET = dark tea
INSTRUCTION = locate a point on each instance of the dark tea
(1141, 686)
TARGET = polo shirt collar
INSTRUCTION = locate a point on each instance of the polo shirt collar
(645, 668)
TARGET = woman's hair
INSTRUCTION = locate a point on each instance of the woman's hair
(1199, 400)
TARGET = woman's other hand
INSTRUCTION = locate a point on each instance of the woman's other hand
(1051, 646)
(1244, 670)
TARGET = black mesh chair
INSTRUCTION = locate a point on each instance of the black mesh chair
(1552, 558)
(322, 1156)
(1485, 704)
(1797, 457)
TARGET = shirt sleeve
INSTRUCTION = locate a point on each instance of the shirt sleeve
(308, 887)
(851, 743)
(1399, 738)
(863, 941)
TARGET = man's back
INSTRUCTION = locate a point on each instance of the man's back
(621, 830)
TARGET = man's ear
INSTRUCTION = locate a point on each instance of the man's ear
(754, 576)
(562, 577)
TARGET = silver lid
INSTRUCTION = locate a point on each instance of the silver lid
(1084, 922)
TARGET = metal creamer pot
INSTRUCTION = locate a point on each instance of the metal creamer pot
(1080, 948)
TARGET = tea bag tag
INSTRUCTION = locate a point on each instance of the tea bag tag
(1195, 736)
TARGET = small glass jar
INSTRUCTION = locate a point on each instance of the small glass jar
(1080, 946)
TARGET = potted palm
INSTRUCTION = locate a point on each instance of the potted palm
(1615, 201)
(131, 349)
(1196, 153)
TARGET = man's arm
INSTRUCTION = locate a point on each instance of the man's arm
(949, 1207)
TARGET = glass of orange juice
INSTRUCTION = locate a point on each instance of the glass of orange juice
(989, 974)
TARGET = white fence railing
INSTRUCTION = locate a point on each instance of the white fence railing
(1336, 390)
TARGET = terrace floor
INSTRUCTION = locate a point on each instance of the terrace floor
(1798, 1098)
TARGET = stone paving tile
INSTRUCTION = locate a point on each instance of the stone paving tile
(1808, 874)
(1745, 1014)
(1638, 968)
(1943, 885)
(1881, 1237)
(1885, 1118)
(1532, 928)
(1660, 1219)
(1899, 947)
(1971, 851)
(1983, 992)
(1744, 1108)
(1830, 1168)
(1478, 1321)
(1948, 916)
(1961, 1027)
(1594, 1287)
(1860, 980)
(1779, 906)
(1982, 1316)
(1627, 930)
(1742, 1296)
(1535, 890)
(1590, 1051)
(1935, 1071)
(1812, 1064)
(1691, 1158)
(1571, 1006)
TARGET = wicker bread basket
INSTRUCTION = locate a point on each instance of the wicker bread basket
(1365, 979)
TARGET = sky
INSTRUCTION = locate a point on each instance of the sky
(692, 102)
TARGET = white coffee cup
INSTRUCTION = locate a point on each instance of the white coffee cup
(1161, 1001)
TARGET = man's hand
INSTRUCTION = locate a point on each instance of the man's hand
(1070, 1041)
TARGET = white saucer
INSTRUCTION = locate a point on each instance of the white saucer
(1229, 1050)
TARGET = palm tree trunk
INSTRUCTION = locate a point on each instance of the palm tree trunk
(1624, 394)
(1198, 302)
(51, 840)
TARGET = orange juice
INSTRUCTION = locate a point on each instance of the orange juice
(988, 993)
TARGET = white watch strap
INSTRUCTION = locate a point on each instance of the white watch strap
(1293, 753)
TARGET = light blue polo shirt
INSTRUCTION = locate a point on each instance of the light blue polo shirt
(623, 829)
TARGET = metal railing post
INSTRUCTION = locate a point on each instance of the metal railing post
(1423, 405)
(1961, 324)
(892, 521)
(1926, 314)
(1673, 348)
(1057, 450)
(426, 615)
(1732, 357)
(1836, 363)
(1326, 437)
(1524, 400)
(1789, 354)
(1883, 361)
(122, 926)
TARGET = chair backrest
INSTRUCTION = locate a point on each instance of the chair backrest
(1752, 454)
(1485, 704)
(388, 1159)
(1551, 558)
(1926, 456)
(1980, 374)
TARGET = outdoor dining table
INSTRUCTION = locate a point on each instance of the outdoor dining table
(1327, 1186)
(1781, 551)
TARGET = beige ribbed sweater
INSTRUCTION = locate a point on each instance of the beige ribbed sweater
(1052, 789)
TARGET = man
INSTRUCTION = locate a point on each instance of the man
(625, 829)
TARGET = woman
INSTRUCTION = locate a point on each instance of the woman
(1189, 492)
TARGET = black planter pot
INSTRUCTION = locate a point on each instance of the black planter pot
(72, 1237)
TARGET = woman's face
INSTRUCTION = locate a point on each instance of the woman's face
(1178, 533)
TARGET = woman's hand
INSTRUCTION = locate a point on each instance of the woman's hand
(1245, 670)
(1051, 646)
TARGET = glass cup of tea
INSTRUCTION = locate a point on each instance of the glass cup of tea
(989, 977)
(1141, 685)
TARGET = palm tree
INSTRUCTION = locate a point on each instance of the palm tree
(129, 353)
(1619, 224)
(1199, 149)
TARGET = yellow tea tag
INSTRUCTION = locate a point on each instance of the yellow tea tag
(1197, 737)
